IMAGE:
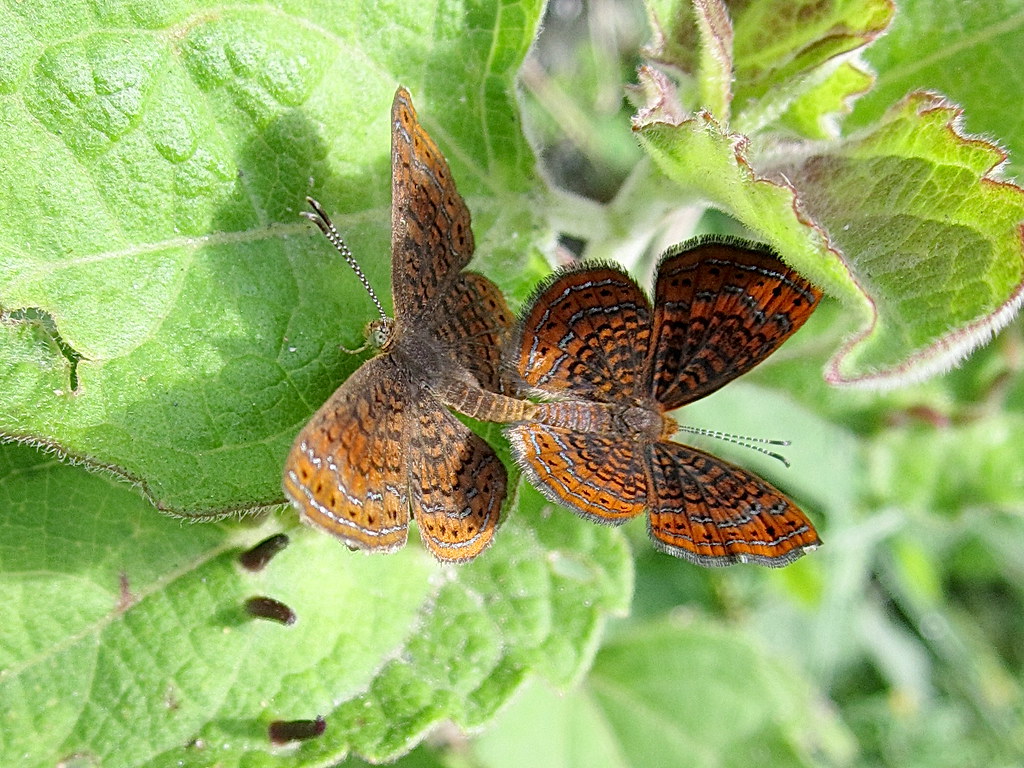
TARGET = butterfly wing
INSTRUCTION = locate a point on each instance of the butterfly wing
(585, 334)
(714, 513)
(721, 307)
(473, 321)
(600, 478)
(347, 473)
(457, 483)
(431, 239)
(431, 242)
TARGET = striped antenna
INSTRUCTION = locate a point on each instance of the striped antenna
(321, 219)
(746, 442)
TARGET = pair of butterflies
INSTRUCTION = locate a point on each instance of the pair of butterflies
(608, 362)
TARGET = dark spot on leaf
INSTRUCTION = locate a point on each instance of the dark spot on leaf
(256, 559)
(268, 608)
(285, 731)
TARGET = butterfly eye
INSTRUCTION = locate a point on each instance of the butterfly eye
(379, 334)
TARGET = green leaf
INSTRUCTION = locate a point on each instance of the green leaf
(705, 160)
(166, 313)
(670, 694)
(716, 50)
(964, 51)
(779, 42)
(815, 111)
(127, 640)
(910, 223)
(930, 231)
(777, 52)
(951, 469)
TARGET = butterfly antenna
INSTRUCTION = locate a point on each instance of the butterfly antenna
(321, 219)
(753, 443)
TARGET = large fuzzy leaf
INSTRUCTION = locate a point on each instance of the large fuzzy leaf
(168, 314)
(128, 642)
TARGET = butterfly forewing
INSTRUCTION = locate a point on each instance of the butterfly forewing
(431, 239)
(457, 484)
(581, 331)
(714, 513)
(599, 477)
(344, 472)
(720, 309)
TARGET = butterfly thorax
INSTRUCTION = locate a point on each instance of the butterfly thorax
(426, 362)
(645, 423)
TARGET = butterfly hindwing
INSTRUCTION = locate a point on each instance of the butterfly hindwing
(344, 473)
(599, 477)
(457, 484)
(713, 513)
(473, 322)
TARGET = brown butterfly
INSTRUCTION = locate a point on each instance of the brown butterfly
(384, 445)
(616, 364)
